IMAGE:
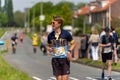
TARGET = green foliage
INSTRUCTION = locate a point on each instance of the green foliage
(97, 26)
(116, 22)
(79, 5)
(62, 9)
(2, 31)
(97, 63)
(3, 19)
(118, 31)
(9, 73)
(6, 71)
(0, 6)
(9, 11)
(19, 18)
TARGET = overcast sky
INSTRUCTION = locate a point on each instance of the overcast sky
(21, 4)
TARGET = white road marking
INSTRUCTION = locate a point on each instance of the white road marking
(106, 78)
(73, 78)
(90, 78)
(36, 78)
(53, 78)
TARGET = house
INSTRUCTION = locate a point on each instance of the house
(98, 11)
(116, 9)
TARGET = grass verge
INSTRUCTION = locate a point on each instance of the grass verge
(6, 71)
(9, 73)
(97, 64)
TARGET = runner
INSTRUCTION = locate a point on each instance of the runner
(43, 43)
(21, 36)
(58, 47)
(108, 44)
(14, 42)
(34, 42)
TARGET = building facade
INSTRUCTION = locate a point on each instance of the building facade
(98, 11)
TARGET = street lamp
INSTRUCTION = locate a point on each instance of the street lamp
(42, 17)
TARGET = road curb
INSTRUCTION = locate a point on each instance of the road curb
(92, 65)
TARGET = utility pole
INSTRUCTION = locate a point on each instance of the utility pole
(41, 12)
(29, 18)
(42, 17)
(110, 14)
(0, 6)
(33, 17)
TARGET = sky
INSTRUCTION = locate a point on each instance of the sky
(22, 4)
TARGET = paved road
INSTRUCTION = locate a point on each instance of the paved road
(38, 66)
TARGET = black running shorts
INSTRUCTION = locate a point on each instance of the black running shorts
(61, 66)
(106, 56)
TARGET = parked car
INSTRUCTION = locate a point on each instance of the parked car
(68, 28)
(1, 43)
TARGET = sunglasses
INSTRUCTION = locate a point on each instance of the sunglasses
(52, 22)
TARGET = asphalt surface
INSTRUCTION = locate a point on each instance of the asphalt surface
(38, 66)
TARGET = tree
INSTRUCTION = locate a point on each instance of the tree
(19, 18)
(3, 19)
(65, 10)
(0, 6)
(5, 6)
(8, 9)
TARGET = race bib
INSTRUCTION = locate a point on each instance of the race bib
(107, 50)
(59, 51)
(13, 42)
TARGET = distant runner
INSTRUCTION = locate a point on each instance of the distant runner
(21, 36)
(14, 39)
(108, 46)
(34, 42)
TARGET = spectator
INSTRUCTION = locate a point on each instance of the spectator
(83, 45)
(43, 43)
(103, 32)
(93, 41)
(115, 36)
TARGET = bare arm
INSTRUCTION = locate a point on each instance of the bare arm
(72, 46)
(49, 49)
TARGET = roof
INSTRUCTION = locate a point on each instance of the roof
(93, 7)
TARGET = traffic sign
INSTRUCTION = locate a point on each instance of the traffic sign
(42, 17)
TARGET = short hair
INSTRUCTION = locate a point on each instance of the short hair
(58, 19)
(107, 29)
(112, 28)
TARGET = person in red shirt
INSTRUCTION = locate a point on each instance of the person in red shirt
(21, 36)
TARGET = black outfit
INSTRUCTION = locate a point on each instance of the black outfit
(60, 63)
(14, 38)
(107, 50)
